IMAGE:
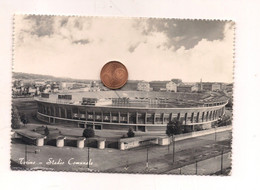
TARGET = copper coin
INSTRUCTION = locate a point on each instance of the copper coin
(114, 75)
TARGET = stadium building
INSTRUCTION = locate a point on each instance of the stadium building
(119, 110)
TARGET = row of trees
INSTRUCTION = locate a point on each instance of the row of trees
(89, 132)
(175, 126)
(18, 120)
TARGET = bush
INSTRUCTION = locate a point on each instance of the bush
(230, 103)
(225, 120)
(130, 132)
(88, 132)
(46, 131)
(174, 127)
(187, 129)
(24, 118)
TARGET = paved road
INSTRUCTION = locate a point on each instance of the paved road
(205, 167)
(187, 151)
(113, 160)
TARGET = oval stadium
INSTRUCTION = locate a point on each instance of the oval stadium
(120, 110)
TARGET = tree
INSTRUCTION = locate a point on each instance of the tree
(46, 131)
(24, 119)
(16, 121)
(224, 121)
(130, 132)
(174, 127)
(230, 103)
(88, 132)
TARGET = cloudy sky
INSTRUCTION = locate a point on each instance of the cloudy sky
(151, 49)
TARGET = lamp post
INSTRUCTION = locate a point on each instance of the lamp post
(221, 167)
(215, 133)
(173, 149)
(147, 163)
(25, 156)
(36, 151)
(127, 161)
(196, 165)
(88, 157)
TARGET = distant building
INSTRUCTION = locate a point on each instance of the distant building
(32, 91)
(16, 90)
(78, 85)
(47, 90)
(17, 83)
(130, 85)
(187, 88)
(67, 85)
(158, 85)
(171, 86)
(94, 84)
(223, 86)
(55, 89)
(86, 88)
(209, 86)
(94, 89)
(37, 91)
(177, 81)
(39, 83)
(143, 86)
(163, 86)
(229, 87)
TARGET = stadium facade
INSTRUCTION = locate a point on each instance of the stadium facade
(142, 111)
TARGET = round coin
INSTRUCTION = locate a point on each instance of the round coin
(114, 75)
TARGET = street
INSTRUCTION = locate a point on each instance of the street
(131, 161)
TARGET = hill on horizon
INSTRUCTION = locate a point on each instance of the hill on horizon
(31, 76)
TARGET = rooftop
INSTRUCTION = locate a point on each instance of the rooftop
(142, 99)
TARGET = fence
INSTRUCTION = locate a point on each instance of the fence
(216, 164)
(201, 133)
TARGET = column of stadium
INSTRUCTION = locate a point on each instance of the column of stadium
(115, 117)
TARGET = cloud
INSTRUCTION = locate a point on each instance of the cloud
(146, 47)
(186, 33)
(41, 25)
(81, 42)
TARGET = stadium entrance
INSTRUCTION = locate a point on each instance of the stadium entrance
(141, 128)
(98, 127)
(81, 125)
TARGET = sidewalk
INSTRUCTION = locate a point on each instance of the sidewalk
(118, 134)
(202, 133)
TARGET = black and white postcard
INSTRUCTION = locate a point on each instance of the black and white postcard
(173, 115)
